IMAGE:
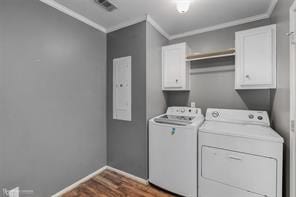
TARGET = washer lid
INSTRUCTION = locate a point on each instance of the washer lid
(258, 132)
(178, 120)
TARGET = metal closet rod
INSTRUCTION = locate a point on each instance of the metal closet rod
(212, 69)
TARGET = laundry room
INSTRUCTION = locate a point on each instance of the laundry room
(215, 87)
(165, 98)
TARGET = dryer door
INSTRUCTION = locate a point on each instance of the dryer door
(248, 172)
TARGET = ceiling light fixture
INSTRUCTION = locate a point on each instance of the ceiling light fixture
(183, 5)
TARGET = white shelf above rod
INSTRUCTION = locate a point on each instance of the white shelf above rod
(212, 55)
(196, 71)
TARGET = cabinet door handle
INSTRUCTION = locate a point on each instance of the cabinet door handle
(177, 80)
(290, 33)
(235, 158)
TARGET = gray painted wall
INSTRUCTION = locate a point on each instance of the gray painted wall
(281, 97)
(1, 101)
(156, 101)
(217, 89)
(127, 141)
(53, 96)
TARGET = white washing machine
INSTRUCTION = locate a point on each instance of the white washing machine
(173, 150)
(239, 155)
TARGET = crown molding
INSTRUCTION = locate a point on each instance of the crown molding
(149, 19)
(74, 14)
(266, 15)
(126, 24)
(220, 26)
(158, 27)
(272, 5)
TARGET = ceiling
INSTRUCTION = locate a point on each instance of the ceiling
(203, 15)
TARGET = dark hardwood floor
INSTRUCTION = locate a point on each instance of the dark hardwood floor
(111, 184)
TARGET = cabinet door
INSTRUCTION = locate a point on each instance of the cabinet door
(256, 58)
(174, 65)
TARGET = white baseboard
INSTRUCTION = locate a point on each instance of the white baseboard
(136, 178)
(74, 185)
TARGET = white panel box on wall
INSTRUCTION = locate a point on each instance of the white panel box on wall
(122, 88)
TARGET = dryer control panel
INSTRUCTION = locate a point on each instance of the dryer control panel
(238, 116)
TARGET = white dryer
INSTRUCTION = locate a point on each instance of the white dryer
(239, 155)
(173, 150)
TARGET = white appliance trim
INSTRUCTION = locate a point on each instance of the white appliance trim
(292, 101)
(148, 18)
(88, 177)
(74, 14)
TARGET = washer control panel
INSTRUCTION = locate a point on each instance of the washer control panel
(183, 111)
(238, 116)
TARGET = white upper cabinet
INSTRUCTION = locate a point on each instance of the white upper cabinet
(175, 69)
(256, 58)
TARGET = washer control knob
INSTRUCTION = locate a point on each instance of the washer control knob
(251, 116)
(182, 110)
(260, 118)
(215, 114)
